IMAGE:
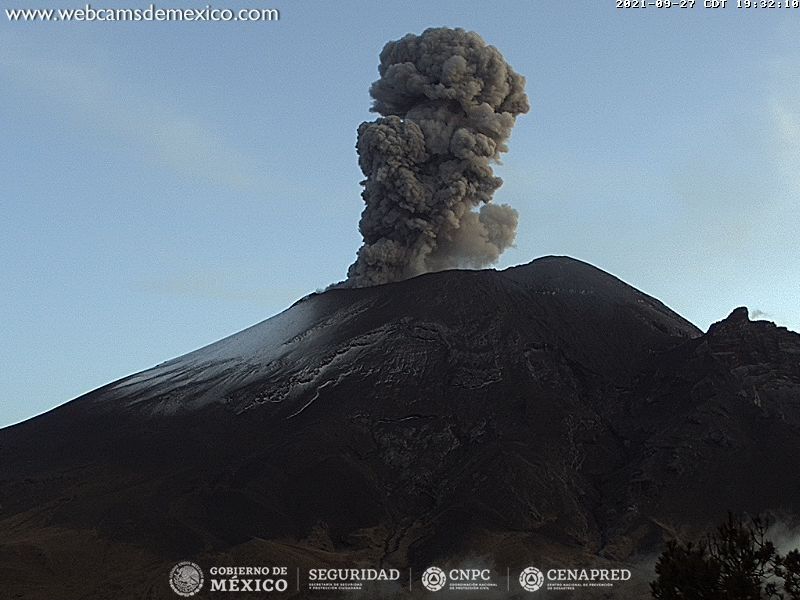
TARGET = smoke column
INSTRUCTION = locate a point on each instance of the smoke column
(448, 102)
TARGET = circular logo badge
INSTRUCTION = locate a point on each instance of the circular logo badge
(434, 579)
(531, 579)
(186, 579)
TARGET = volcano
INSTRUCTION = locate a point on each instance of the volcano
(546, 414)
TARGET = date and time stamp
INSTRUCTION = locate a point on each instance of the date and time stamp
(709, 4)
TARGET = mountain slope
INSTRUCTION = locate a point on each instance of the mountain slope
(546, 414)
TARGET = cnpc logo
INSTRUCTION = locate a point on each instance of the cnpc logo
(434, 578)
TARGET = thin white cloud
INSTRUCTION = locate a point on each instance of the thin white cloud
(99, 99)
(785, 111)
(758, 314)
(787, 123)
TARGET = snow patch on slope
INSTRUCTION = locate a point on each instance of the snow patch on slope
(229, 362)
(298, 346)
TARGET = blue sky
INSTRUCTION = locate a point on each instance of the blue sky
(167, 184)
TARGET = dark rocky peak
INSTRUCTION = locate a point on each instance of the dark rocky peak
(739, 315)
(736, 321)
(759, 360)
(738, 335)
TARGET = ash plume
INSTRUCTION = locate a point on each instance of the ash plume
(448, 102)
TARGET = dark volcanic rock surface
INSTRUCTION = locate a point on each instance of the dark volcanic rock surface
(547, 414)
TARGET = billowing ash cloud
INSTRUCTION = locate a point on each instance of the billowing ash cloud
(448, 102)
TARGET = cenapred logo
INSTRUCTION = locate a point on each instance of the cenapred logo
(434, 579)
(186, 578)
(531, 579)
